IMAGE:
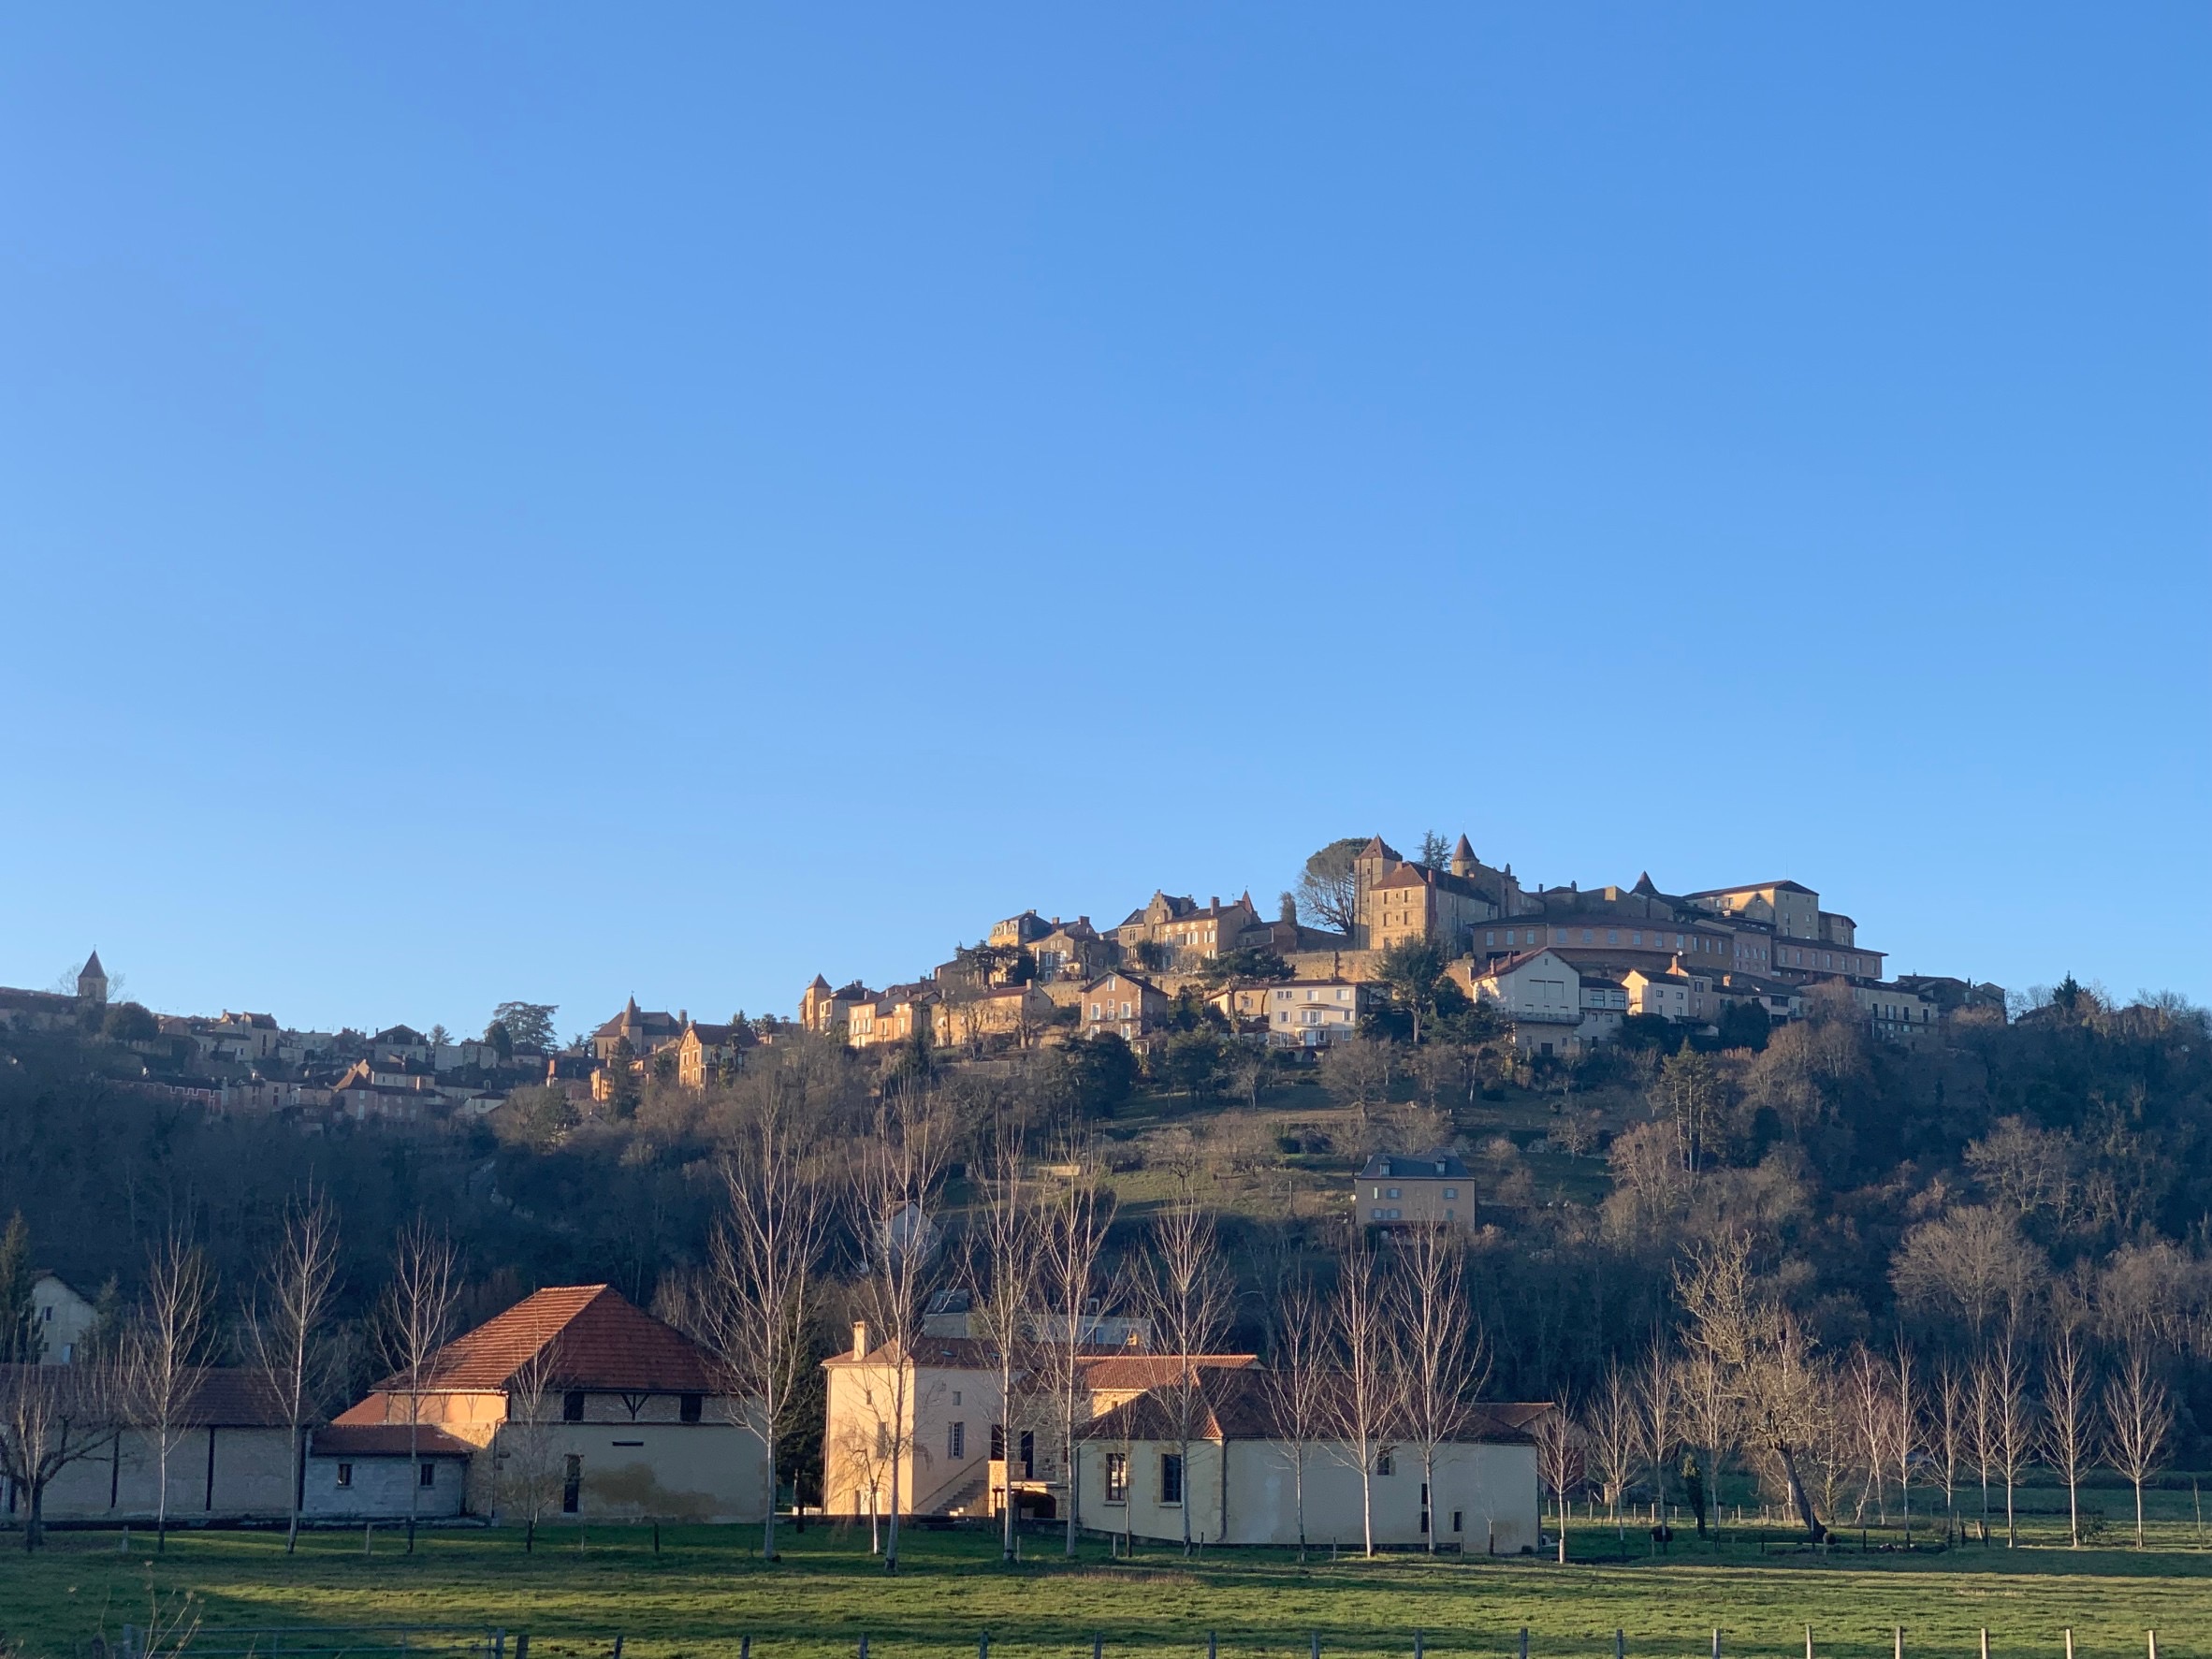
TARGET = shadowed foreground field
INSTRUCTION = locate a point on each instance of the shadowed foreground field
(706, 1589)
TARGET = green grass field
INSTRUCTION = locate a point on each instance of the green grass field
(705, 1590)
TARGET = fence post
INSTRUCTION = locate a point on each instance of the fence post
(1985, 1643)
(983, 1646)
(1416, 1643)
(1524, 1643)
(618, 1647)
(1716, 1645)
(1316, 1645)
(745, 1647)
(498, 1644)
(1210, 1647)
(1097, 1644)
(1808, 1641)
(522, 1644)
(1901, 1642)
(1620, 1644)
(2154, 1643)
(2070, 1642)
(863, 1645)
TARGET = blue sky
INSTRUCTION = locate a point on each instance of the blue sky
(533, 502)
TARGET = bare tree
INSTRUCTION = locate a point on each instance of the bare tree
(1869, 1407)
(902, 1167)
(1982, 1428)
(1184, 1290)
(417, 1318)
(1004, 1272)
(285, 1328)
(166, 1350)
(1297, 1381)
(1441, 1358)
(2070, 1404)
(1559, 1460)
(1076, 1225)
(2014, 1417)
(1953, 1409)
(1365, 1406)
(1658, 1400)
(1616, 1439)
(51, 1416)
(2139, 1416)
(1711, 1416)
(526, 1458)
(766, 1256)
(1904, 1427)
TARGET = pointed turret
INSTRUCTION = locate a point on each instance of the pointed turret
(1644, 886)
(1462, 858)
(92, 979)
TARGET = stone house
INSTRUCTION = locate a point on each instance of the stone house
(1125, 1004)
(1433, 1189)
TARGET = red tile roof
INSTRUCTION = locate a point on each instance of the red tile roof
(593, 1337)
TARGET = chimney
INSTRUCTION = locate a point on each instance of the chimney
(683, 1017)
(1214, 901)
(860, 1339)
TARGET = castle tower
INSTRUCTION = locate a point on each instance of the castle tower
(1462, 858)
(92, 980)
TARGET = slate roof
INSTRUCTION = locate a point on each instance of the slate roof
(595, 1338)
(1432, 1165)
(218, 1397)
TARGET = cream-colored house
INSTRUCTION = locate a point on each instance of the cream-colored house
(600, 1408)
(1433, 1189)
(1240, 1483)
(62, 1318)
(936, 1418)
(1539, 991)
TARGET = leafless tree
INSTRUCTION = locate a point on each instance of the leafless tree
(1904, 1427)
(1366, 1402)
(1868, 1384)
(1184, 1291)
(1442, 1359)
(1005, 1270)
(2138, 1417)
(765, 1257)
(1076, 1222)
(1952, 1425)
(1711, 1416)
(1559, 1460)
(285, 1328)
(416, 1320)
(1297, 1381)
(902, 1167)
(527, 1459)
(1982, 1428)
(2070, 1406)
(51, 1416)
(2013, 1420)
(1615, 1435)
(166, 1350)
(1658, 1401)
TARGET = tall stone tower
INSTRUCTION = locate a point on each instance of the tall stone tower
(92, 980)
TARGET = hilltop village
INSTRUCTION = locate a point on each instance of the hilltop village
(1361, 947)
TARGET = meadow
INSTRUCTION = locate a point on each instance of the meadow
(702, 1591)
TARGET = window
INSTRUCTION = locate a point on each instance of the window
(1171, 1478)
(1586, 936)
(1117, 1477)
(1397, 1215)
(345, 1475)
(955, 1440)
(1028, 1451)
(1451, 1192)
(572, 1406)
(572, 1484)
(427, 1475)
(1393, 1193)
(687, 1407)
(1383, 1464)
(1455, 1521)
(997, 1443)
(955, 1396)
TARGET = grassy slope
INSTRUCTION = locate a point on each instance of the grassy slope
(705, 1589)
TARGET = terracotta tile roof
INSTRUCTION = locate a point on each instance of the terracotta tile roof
(385, 1440)
(595, 1338)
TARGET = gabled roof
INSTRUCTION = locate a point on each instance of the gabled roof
(1444, 1165)
(92, 969)
(1751, 887)
(1125, 975)
(1241, 1404)
(1377, 847)
(593, 1337)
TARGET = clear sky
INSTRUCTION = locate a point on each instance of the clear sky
(555, 501)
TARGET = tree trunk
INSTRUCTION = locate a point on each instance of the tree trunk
(1367, 1503)
(1429, 1486)
(769, 1520)
(1799, 1496)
